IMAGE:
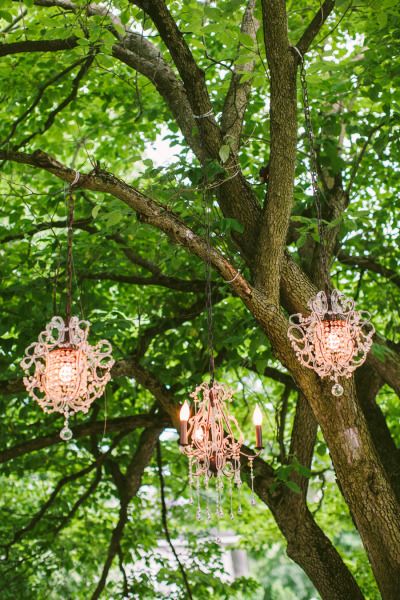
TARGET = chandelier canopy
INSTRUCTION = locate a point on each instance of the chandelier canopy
(334, 339)
(212, 439)
(63, 372)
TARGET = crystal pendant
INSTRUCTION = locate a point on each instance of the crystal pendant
(65, 434)
(337, 389)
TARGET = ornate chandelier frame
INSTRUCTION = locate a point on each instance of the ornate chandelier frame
(213, 440)
(334, 339)
(63, 372)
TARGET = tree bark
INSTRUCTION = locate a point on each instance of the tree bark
(364, 483)
(307, 544)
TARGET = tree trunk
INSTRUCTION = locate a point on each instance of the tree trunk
(363, 481)
(307, 544)
(368, 383)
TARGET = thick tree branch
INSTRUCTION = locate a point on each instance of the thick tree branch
(283, 135)
(38, 46)
(85, 429)
(238, 94)
(173, 283)
(303, 438)
(369, 263)
(192, 76)
(151, 212)
(314, 27)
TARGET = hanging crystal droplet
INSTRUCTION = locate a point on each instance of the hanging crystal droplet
(337, 389)
(65, 434)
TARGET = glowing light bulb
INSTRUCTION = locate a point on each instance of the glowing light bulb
(66, 373)
(333, 341)
(257, 416)
(185, 411)
(199, 434)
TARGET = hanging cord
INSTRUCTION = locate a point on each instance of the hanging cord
(209, 306)
(70, 221)
(314, 169)
(70, 267)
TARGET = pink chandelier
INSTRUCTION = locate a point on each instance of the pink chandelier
(213, 440)
(334, 339)
(63, 372)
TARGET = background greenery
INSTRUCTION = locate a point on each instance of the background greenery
(116, 118)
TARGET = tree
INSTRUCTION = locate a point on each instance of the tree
(86, 89)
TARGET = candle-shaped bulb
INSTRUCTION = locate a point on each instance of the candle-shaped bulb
(185, 412)
(257, 420)
(184, 416)
(257, 416)
(199, 434)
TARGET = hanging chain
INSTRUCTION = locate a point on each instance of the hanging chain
(314, 170)
(208, 272)
(70, 221)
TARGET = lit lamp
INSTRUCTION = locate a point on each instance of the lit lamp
(213, 441)
(184, 417)
(257, 421)
(334, 339)
(63, 372)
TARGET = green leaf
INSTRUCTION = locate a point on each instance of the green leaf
(95, 211)
(224, 152)
(114, 218)
(292, 485)
(382, 18)
(321, 448)
(6, 16)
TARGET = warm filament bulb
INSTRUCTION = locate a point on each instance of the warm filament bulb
(257, 416)
(199, 434)
(185, 412)
(333, 342)
(66, 373)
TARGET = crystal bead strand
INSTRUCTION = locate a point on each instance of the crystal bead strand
(231, 515)
(206, 486)
(66, 433)
(198, 514)
(220, 489)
